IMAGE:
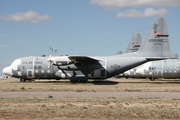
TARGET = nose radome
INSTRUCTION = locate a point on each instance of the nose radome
(140, 71)
(7, 71)
(127, 73)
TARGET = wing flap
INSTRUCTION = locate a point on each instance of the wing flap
(82, 59)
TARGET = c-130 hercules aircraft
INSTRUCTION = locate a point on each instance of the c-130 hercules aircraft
(81, 68)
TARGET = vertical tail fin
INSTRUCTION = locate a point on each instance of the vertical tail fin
(134, 43)
(156, 42)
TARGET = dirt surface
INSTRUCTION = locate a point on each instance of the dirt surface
(94, 105)
(96, 100)
(40, 94)
(109, 85)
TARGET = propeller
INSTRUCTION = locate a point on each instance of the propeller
(56, 52)
(50, 58)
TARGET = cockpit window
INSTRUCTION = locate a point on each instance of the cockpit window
(16, 62)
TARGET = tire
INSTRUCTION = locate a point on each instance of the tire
(83, 81)
(22, 80)
(152, 79)
(74, 81)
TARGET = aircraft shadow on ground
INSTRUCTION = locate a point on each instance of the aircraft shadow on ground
(39, 81)
(105, 82)
(99, 82)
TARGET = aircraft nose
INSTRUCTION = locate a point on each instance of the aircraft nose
(127, 73)
(7, 71)
(140, 72)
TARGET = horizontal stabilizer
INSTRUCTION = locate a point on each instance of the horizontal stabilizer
(174, 56)
(163, 35)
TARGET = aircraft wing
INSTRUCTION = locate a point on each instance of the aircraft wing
(82, 59)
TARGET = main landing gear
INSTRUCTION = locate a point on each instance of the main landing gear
(22, 80)
(152, 79)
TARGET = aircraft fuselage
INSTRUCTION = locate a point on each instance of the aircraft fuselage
(40, 68)
(160, 69)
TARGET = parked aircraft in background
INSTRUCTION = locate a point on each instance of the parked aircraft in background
(169, 68)
(133, 46)
(131, 73)
(81, 68)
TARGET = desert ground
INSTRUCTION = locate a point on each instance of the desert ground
(107, 99)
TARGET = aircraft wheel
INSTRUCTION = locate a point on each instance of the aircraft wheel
(22, 80)
(83, 81)
(152, 79)
(74, 81)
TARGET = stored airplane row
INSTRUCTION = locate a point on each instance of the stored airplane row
(155, 46)
(169, 68)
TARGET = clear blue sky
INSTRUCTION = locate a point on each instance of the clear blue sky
(79, 27)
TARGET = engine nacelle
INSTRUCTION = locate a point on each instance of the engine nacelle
(62, 75)
(60, 61)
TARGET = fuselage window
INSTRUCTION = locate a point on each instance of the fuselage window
(38, 62)
(153, 68)
(39, 67)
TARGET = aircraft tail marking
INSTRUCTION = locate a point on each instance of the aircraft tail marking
(156, 42)
(134, 43)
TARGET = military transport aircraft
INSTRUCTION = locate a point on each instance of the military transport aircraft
(133, 45)
(169, 68)
(81, 68)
